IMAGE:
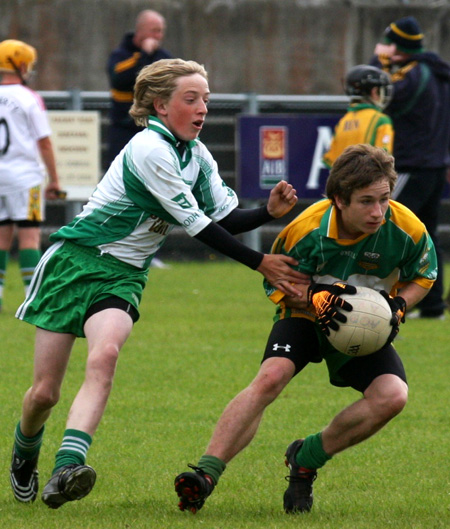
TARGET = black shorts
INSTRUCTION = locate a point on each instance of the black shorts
(299, 340)
(21, 223)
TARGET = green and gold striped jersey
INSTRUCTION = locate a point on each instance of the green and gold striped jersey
(400, 252)
(363, 123)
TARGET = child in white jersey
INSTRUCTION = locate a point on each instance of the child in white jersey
(90, 282)
(24, 141)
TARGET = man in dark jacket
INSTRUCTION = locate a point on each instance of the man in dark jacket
(136, 50)
(420, 111)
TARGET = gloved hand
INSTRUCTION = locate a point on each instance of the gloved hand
(326, 301)
(398, 307)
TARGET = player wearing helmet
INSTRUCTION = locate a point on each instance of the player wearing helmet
(17, 57)
(370, 90)
(24, 141)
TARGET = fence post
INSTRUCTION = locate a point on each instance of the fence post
(73, 207)
(252, 239)
(76, 101)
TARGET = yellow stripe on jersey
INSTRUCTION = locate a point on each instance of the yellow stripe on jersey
(370, 131)
(122, 97)
(421, 281)
(128, 63)
(400, 74)
(405, 219)
(308, 221)
(276, 296)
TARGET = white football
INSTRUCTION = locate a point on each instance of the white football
(368, 324)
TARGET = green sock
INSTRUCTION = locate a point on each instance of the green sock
(213, 466)
(311, 454)
(27, 447)
(3, 263)
(28, 259)
(73, 449)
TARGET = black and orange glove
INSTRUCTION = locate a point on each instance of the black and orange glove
(326, 301)
(398, 307)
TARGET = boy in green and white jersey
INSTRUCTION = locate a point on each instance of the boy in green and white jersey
(355, 237)
(90, 281)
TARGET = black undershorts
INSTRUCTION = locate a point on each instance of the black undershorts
(113, 302)
(297, 339)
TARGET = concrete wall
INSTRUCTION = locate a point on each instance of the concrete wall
(264, 46)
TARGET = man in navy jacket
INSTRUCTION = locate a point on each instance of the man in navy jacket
(137, 49)
(420, 111)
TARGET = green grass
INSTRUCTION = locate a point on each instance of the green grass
(199, 341)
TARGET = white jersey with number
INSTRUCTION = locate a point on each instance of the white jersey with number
(23, 121)
(150, 188)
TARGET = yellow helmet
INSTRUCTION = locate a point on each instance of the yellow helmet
(13, 53)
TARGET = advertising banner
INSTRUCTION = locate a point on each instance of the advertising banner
(283, 147)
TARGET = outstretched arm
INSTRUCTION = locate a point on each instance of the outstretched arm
(276, 268)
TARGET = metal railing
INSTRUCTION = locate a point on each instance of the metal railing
(223, 109)
(247, 102)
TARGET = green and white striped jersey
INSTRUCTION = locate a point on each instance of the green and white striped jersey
(150, 188)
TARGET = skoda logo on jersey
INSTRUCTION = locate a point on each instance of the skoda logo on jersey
(372, 255)
(370, 261)
(182, 201)
(369, 264)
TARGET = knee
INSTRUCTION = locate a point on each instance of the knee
(398, 400)
(44, 397)
(392, 399)
(101, 365)
(271, 381)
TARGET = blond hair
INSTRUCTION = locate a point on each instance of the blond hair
(159, 80)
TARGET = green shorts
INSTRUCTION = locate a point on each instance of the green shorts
(71, 278)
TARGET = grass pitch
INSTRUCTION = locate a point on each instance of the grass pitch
(199, 341)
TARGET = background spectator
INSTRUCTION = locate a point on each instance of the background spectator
(420, 111)
(137, 49)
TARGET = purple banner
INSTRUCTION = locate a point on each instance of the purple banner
(283, 147)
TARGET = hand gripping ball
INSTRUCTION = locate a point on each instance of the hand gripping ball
(368, 324)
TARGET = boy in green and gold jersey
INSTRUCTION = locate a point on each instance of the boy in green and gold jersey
(357, 236)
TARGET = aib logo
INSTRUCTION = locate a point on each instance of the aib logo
(273, 156)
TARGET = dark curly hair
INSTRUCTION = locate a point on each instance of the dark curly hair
(357, 167)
